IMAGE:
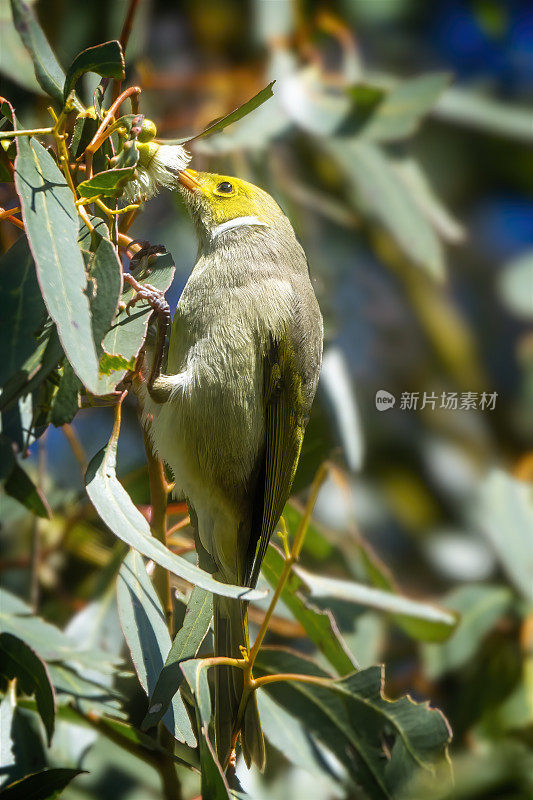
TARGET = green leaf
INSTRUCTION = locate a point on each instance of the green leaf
(18, 484)
(125, 338)
(108, 184)
(116, 509)
(66, 401)
(380, 743)
(480, 607)
(104, 59)
(401, 110)
(44, 785)
(185, 646)
(146, 633)
(21, 662)
(375, 188)
(37, 367)
(47, 70)
(214, 783)
(485, 114)
(105, 277)
(420, 619)
(51, 223)
(230, 118)
(290, 737)
(515, 282)
(50, 643)
(319, 625)
(7, 745)
(15, 60)
(23, 310)
(504, 511)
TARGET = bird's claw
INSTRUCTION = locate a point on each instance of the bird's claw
(145, 291)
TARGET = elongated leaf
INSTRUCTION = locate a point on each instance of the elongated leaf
(108, 184)
(44, 785)
(504, 511)
(37, 367)
(367, 733)
(122, 343)
(185, 646)
(65, 404)
(7, 754)
(21, 662)
(290, 737)
(233, 116)
(480, 607)
(319, 625)
(51, 223)
(146, 633)
(377, 189)
(120, 515)
(18, 484)
(401, 110)
(50, 643)
(430, 622)
(214, 783)
(104, 59)
(47, 70)
(485, 114)
(23, 310)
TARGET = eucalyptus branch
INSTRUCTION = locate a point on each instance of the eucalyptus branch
(159, 491)
(33, 132)
(290, 559)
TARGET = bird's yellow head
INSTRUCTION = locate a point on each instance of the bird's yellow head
(219, 203)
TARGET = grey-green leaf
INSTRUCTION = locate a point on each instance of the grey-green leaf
(504, 511)
(18, 484)
(214, 783)
(146, 633)
(23, 310)
(47, 70)
(51, 223)
(422, 619)
(319, 625)
(104, 59)
(185, 646)
(123, 341)
(366, 732)
(233, 116)
(120, 515)
(108, 184)
(375, 188)
(480, 606)
(44, 785)
(21, 662)
(400, 112)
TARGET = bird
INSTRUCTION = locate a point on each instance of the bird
(227, 408)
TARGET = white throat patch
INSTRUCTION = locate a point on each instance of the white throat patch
(238, 222)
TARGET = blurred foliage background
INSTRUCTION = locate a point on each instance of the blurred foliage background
(399, 143)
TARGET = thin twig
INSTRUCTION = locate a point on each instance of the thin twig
(124, 39)
(158, 525)
(76, 446)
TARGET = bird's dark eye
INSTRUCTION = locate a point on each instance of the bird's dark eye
(226, 187)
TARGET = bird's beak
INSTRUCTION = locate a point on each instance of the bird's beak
(187, 178)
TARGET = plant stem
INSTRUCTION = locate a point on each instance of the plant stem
(124, 39)
(167, 768)
(34, 132)
(159, 491)
(290, 560)
(249, 683)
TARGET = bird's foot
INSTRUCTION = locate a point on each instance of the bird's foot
(145, 291)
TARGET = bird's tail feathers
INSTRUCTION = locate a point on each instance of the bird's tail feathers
(231, 633)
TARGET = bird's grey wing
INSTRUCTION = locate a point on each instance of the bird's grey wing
(284, 429)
